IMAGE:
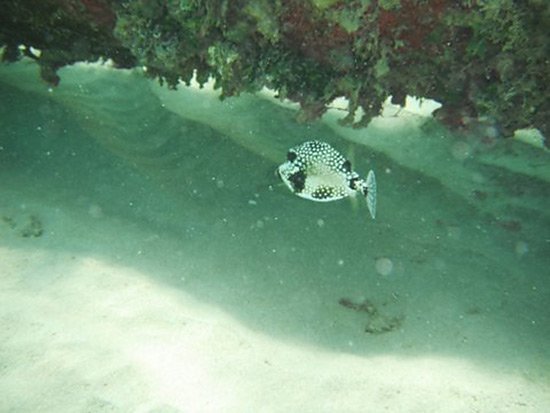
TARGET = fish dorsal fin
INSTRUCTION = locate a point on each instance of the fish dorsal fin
(351, 155)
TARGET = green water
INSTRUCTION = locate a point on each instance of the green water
(455, 265)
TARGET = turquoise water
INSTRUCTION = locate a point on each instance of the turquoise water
(180, 191)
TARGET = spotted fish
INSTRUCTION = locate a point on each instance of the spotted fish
(315, 170)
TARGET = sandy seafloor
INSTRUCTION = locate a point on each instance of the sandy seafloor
(187, 279)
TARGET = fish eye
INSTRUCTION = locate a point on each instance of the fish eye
(291, 156)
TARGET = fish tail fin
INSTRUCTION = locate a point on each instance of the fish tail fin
(369, 190)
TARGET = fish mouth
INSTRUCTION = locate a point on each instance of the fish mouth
(282, 171)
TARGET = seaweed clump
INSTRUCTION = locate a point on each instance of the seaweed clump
(478, 58)
(56, 33)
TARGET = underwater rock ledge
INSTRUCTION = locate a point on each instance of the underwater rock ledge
(479, 59)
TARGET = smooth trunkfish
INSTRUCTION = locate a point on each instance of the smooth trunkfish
(316, 171)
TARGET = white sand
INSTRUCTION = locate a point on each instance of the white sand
(224, 297)
(90, 327)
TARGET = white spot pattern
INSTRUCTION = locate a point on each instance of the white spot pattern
(316, 171)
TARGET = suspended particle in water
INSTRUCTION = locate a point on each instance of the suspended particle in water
(461, 151)
(95, 211)
(384, 266)
(521, 248)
